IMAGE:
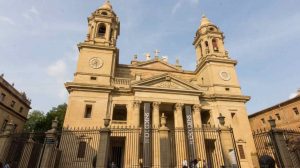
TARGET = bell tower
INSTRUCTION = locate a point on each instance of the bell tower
(209, 41)
(214, 67)
(98, 54)
(103, 26)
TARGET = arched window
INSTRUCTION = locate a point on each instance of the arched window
(206, 44)
(206, 47)
(102, 30)
(215, 45)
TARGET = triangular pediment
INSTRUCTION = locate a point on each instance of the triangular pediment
(166, 81)
(157, 64)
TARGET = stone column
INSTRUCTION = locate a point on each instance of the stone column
(155, 114)
(28, 147)
(178, 115)
(165, 155)
(155, 135)
(227, 144)
(180, 141)
(5, 140)
(197, 116)
(49, 153)
(133, 139)
(199, 133)
(281, 147)
(103, 148)
(136, 113)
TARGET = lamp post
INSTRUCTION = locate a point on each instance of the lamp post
(221, 119)
(272, 122)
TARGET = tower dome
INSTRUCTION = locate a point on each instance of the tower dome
(205, 21)
(106, 5)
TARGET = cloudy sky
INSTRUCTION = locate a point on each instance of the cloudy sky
(38, 41)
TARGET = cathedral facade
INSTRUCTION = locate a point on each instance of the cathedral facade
(155, 94)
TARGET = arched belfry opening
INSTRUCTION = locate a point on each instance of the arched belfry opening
(101, 30)
(215, 44)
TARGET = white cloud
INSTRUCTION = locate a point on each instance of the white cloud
(176, 7)
(57, 70)
(179, 4)
(33, 10)
(195, 1)
(7, 20)
(292, 95)
(31, 13)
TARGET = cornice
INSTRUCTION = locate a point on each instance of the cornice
(167, 90)
(72, 86)
(208, 59)
(16, 94)
(94, 46)
(153, 69)
(279, 105)
(225, 97)
(12, 112)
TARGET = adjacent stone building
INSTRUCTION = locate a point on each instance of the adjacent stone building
(286, 115)
(14, 105)
(105, 89)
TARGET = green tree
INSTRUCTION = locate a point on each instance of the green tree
(58, 112)
(38, 121)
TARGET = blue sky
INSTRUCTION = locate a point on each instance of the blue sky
(38, 41)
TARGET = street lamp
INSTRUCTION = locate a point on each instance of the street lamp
(272, 122)
(221, 119)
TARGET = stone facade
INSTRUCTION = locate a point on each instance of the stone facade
(103, 88)
(286, 115)
(14, 106)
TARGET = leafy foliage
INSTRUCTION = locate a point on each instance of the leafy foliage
(39, 121)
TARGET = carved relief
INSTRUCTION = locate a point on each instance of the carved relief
(168, 84)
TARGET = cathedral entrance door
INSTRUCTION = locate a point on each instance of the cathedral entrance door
(116, 156)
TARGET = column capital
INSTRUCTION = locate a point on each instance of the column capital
(178, 106)
(137, 103)
(197, 107)
(155, 105)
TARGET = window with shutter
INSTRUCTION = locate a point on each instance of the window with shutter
(81, 149)
(241, 151)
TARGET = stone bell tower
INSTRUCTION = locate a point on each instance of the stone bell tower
(98, 53)
(209, 41)
(98, 57)
(214, 67)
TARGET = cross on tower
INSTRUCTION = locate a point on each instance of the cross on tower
(156, 52)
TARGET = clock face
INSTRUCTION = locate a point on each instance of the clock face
(96, 63)
(224, 75)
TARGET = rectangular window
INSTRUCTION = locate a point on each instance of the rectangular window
(205, 117)
(263, 120)
(21, 109)
(4, 125)
(13, 103)
(93, 78)
(88, 111)
(120, 113)
(278, 116)
(81, 149)
(241, 151)
(295, 109)
(2, 97)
